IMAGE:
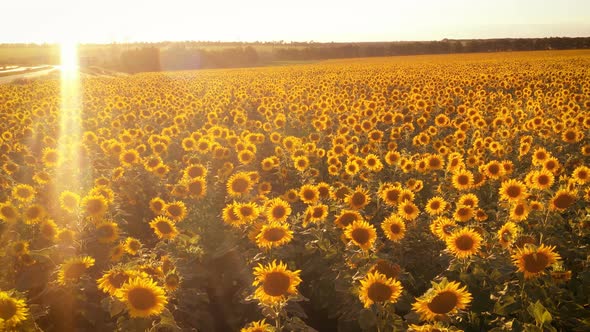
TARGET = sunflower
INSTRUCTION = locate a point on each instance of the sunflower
(540, 155)
(230, 216)
(581, 175)
(239, 184)
(13, 311)
(114, 279)
(470, 200)
(117, 252)
(301, 163)
(519, 211)
(34, 214)
(197, 187)
(542, 179)
(462, 179)
(175, 210)
(361, 233)
(195, 171)
(258, 326)
(443, 299)
(464, 242)
(443, 227)
(172, 281)
(274, 234)
(316, 213)
(513, 190)
(507, 234)
(275, 283)
(94, 206)
(347, 217)
(309, 194)
(132, 245)
(48, 229)
(552, 165)
(143, 297)
(73, 269)
(51, 157)
(394, 228)
(358, 199)
(164, 228)
(533, 260)
(408, 210)
(436, 205)
(390, 193)
(562, 200)
(107, 232)
(493, 169)
(387, 268)
(8, 212)
(23, 192)
(377, 288)
(373, 163)
(129, 157)
(277, 210)
(463, 213)
(157, 205)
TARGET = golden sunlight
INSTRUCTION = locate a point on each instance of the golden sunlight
(69, 116)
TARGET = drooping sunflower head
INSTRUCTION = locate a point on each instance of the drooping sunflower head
(361, 233)
(275, 283)
(8, 212)
(507, 234)
(532, 260)
(562, 200)
(143, 297)
(443, 299)
(377, 288)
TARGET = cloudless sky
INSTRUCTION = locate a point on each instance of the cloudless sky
(105, 21)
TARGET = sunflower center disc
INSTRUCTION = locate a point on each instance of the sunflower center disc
(535, 262)
(513, 191)
(464, 243)
(395, 228)
(443, 303)
(164, 227)
(563, 201)
(141, 298)
(360, 235)
(7, 309)
(274, 234)
(276, 284)
(379, 292)
(75, 271)
(358, 199)
(240, 185)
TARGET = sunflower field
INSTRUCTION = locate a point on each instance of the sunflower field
(424, 193)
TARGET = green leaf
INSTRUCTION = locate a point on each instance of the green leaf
(541, 315)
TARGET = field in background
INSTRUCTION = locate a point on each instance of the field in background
(412, 193)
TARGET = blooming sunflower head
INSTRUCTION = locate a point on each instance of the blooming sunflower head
(443, 299)
(275, 283)
(377, 288)
(532, 260)
(464, 242)
(274, 234)
(143, 297)
(73, 269)
(13, 311)
(361, 233)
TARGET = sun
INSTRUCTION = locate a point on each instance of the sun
(68, 57)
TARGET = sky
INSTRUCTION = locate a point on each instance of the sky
(106, 21)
